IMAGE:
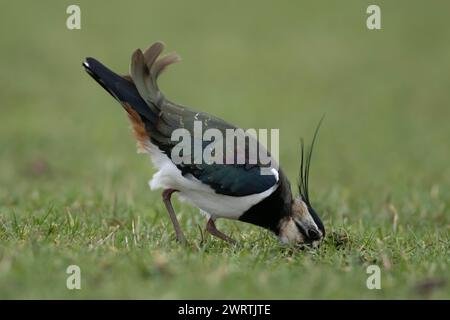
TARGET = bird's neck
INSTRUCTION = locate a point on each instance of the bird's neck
(269, 212)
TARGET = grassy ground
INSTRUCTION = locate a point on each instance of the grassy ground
(73, 191)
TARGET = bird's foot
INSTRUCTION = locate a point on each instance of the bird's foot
(178, 232)
(181, 239)
(211, 228)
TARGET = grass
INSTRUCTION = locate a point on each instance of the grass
(73, 191)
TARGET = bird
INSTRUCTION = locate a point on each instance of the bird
(230, 190)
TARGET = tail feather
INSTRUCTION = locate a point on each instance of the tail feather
(145, 69)
(162, 63)
(152, 53)
(141, 77)
(138, 92)
(121, 88)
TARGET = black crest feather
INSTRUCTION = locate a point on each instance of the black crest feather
(305, 165)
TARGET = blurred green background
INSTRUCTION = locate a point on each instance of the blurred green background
(73, 190)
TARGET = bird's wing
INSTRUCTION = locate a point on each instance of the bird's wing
(238, 172)
(156, 118)
(232, 180)
(228, 177)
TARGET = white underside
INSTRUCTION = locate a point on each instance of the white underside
(200, 195)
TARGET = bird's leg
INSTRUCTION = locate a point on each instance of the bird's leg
(211, 228)
(166, 198)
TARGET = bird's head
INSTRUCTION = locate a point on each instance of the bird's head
(303, 225)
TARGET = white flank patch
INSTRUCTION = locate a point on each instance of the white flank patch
(200, 195)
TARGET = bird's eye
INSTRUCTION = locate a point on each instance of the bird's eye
(301, 229)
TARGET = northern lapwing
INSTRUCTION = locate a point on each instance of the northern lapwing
(233, 190)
